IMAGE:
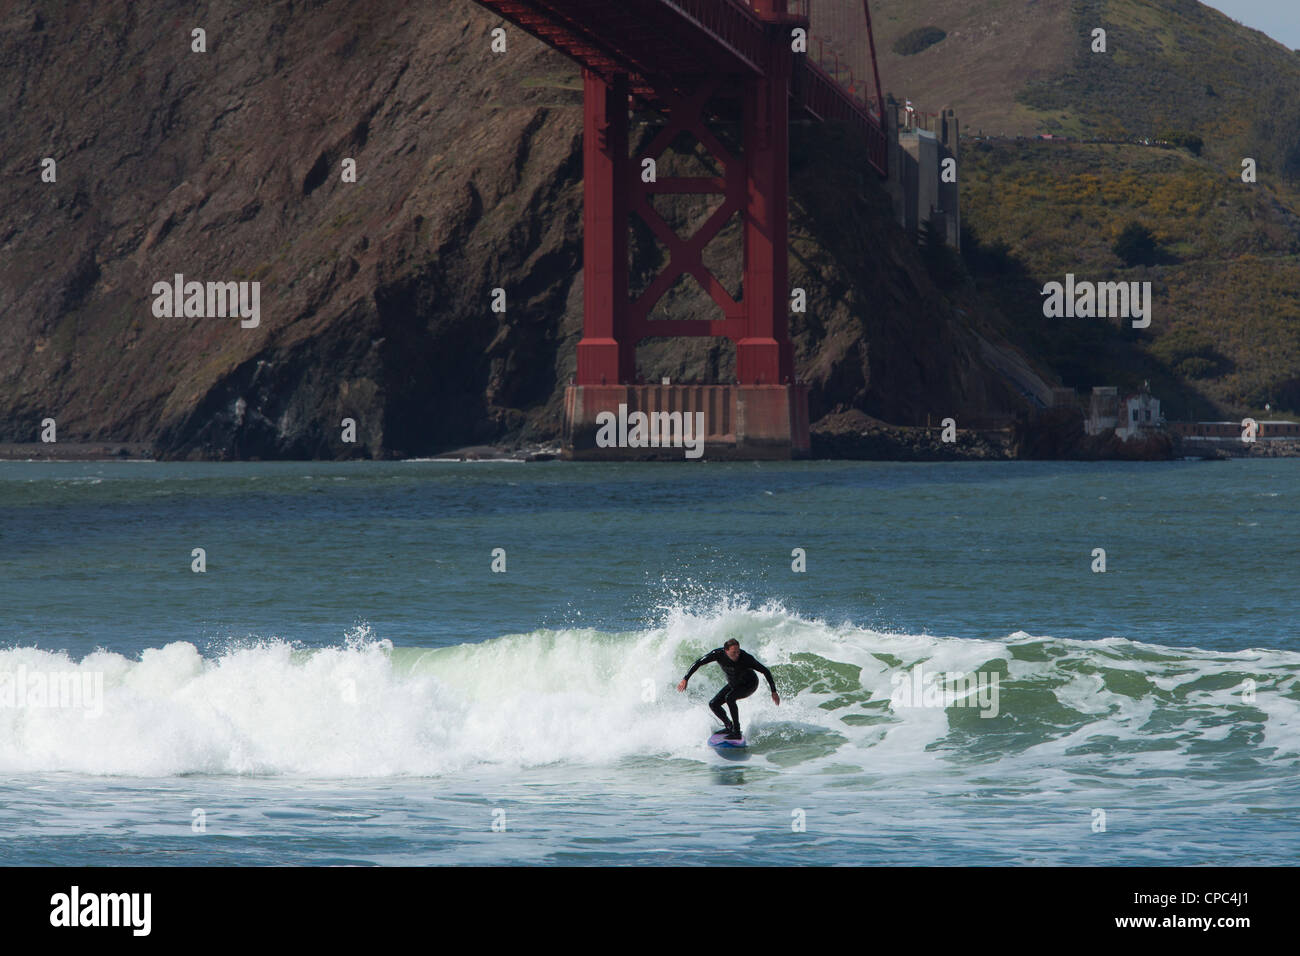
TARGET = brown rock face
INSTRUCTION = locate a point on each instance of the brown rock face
(225, 166)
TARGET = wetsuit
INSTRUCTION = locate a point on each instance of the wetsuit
(741, 682)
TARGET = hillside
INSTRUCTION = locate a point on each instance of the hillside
(376, 294)
(1023, 67)
(982, 62)
(1225, 334)
(1225, 339)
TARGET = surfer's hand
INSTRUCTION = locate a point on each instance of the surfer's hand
(681, 685)
(776, 698)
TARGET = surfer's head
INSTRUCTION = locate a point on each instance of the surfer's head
(732, 649)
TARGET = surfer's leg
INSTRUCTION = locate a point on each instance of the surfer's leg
(739, 693)
(715, 705)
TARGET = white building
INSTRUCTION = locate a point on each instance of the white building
(1141, 414)
(1131, 417)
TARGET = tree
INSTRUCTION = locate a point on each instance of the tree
(1136, 245)
(941, 259)
(917, 40)
(981, 258)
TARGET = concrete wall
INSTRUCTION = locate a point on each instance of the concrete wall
(950, 193)
(916, 155)
(1103, 410)
(744, 422)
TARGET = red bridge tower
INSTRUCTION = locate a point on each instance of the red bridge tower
(690, 59)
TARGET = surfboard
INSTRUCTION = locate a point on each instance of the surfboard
(720, 742)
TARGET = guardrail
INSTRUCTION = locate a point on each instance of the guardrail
(819, 93)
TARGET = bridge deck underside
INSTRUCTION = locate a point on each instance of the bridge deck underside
(669, 44)
(653, 42)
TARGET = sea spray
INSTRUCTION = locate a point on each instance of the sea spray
(365, 708)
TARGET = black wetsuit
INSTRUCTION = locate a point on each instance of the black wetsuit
(741, 682)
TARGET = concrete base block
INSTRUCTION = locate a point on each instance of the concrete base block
(666, 422)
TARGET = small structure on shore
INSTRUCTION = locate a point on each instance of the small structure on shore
(1135, 416)
(1103, 410)
(1141, 415)
(920, 148)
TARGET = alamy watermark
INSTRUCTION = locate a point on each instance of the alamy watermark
(655, 430)
(55, 690)
(1102, 300)
(211, 300)
(943, 689)
(129, 910)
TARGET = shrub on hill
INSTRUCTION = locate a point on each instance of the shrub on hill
(914, 41)
(1136, 245)
(1190, 352)
(986, 259)
(1188, 141)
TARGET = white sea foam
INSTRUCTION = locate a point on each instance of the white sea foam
(365, 709)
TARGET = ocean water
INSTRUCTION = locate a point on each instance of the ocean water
(350, 682)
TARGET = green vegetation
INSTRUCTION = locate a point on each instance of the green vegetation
(1182, 72)
(1225, 333)
(557, 81)
(1223, 256)
(1189, 352)
(917, 40)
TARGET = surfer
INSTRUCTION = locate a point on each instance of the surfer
(739, 667)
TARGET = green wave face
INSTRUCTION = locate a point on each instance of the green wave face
(874, 701)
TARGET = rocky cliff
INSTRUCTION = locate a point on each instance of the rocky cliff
(225, 165)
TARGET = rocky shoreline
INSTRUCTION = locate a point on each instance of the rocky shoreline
(844, 436)
(856, 436)
(75, 451)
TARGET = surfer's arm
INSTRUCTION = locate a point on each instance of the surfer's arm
(711, 656)
(753, 662)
